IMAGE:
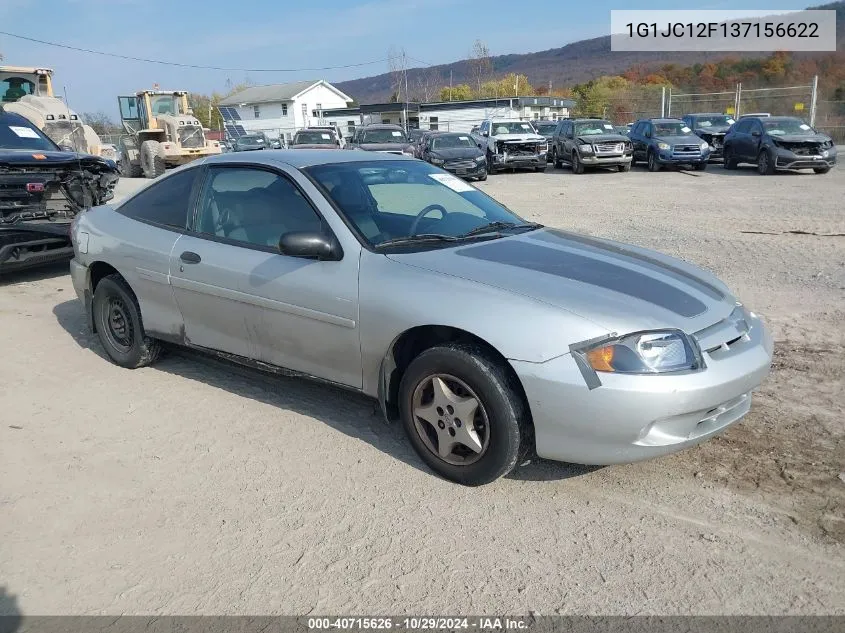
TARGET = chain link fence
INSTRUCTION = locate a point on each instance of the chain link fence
(800, 101)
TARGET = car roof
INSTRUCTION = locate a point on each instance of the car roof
(382, 126)
(13, 118)
(664, 120)
(301, 158)
(706, 114)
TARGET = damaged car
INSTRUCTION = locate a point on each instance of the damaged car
(778, 143)
(42, 189)
(456, 153)
(512, 144)
(710, 127)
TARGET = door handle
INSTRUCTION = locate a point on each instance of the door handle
(190, 258)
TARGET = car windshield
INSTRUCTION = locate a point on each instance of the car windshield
(718, 120)
(21, 135)
(384, 136)
(250, 139)
(590, 128)
(389, 201)
(545, 127)
(511, 127)
(780, 127)
(313, 138)
(671, 128)
(450, 141)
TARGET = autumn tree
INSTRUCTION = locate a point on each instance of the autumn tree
(461, 92)
(101, 123)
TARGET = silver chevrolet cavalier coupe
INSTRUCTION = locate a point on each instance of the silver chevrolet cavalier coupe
(486, 335)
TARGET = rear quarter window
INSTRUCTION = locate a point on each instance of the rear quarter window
(165, 202)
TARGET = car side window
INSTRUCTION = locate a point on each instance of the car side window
(756, 126)
(165, 202)
(647, 127)
(742, 126)
(253, 206)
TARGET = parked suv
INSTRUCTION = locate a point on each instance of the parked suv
(586, 143)
(383, 137)
(710, 127)
(661, 142)
(512, 144)
(778, 143)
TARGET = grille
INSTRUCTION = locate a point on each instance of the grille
(191, 136)
(724, 335)
(686, 150)
(609, 148)
(460, 164)
(804, 150)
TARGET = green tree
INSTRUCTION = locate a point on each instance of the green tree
(461, 92)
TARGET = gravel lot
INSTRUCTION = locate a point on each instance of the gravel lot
(195, 487)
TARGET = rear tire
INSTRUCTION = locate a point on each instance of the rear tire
(152, 159)
(117, 317)
(653, 164)
(500, 424)
(765, 164)
(577, 165)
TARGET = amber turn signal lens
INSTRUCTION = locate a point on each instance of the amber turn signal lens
(601, 359)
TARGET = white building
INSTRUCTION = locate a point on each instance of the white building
(280, 109)
(450, 116)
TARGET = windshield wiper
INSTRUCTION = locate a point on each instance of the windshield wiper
(493, 227)
(417, 239)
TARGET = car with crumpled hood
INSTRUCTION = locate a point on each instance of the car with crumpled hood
(779, 143)
(710, 127)
(484, 335)
(384, 137)
(315, 139)
(589, 143)
(513, 144)
(42, 189)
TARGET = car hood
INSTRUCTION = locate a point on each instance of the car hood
(713, 129)
(384, 147)
(452, 153)
(46, 160)
(519, 138)
(603, 138)
(801, 138)
(685, 139)
(620, 287)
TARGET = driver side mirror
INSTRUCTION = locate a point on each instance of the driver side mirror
(755, 133)
(311, 245)
(485, 133)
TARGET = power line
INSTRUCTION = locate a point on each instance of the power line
(196, 66)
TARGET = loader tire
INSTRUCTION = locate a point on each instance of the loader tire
(152, 159)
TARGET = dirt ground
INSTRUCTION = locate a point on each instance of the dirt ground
(193, 487)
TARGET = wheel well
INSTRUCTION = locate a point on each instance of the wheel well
(97, 271)
(415, 341)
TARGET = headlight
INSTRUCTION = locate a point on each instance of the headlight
(479, 159)
(653, 352)
(663, 146)
(704, 145)
(437, 161)
(587, 149)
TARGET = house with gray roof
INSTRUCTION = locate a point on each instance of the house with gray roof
(280, 109)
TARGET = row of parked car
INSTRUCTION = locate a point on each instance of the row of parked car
(771, 143)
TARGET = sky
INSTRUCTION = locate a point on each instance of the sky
(285, 34)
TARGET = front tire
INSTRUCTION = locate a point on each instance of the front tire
(653, 163)
(463, 414)
(577, 165)
(117, 317)
(556, 159)
(491, 169)
(626, 166)
(730, 161)
(821, 170)
(700, 166)
(765, 164)
(152, 159)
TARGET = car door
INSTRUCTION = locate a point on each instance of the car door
(149, 225)
(755, 139)
(636, 137)
(741, 141)
(238, 294)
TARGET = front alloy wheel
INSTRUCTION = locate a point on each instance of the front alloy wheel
(462, 413)
(765, 164)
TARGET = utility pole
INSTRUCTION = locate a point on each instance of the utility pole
(450, 85)
(663, 102)
(405, 72)
(813, 101)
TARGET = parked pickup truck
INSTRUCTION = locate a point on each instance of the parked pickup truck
(512, 144)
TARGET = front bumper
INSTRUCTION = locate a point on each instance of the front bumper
(79, 278)
(668, 157)
(631, 418)
(610, 160)
(27, 245)
(468, 170)
(521, 161)
(785, 159)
